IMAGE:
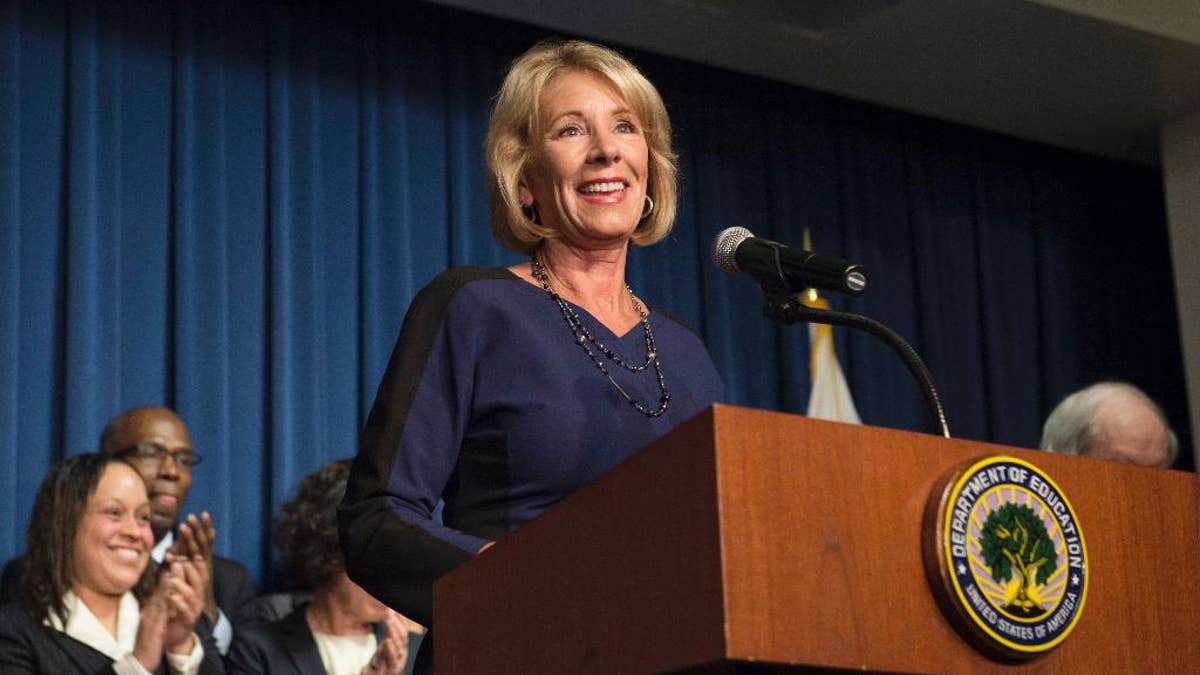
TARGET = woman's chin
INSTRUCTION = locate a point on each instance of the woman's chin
(599, 238)
(113, 585)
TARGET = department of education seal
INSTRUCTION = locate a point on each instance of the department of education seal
(1005, 556)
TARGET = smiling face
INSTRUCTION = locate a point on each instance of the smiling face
(167, 480)
(590, 162)
(113, 540)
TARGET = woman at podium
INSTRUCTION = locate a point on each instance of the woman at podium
(509, 389)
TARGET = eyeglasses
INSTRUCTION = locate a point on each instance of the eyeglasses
(153, 454)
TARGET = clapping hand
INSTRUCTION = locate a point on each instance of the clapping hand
(184, 582)
(391, 655)
(196, 537)
(168, 616)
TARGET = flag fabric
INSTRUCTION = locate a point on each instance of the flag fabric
(830, 398)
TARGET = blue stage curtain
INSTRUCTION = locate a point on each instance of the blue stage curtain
(225, 207)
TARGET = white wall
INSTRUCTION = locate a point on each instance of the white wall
(1181, 184)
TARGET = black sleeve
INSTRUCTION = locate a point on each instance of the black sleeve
(212, 663)
(234, 593)
(16, 653)
(28, 647)
(247, 654)
(391, 548)
(10, 580)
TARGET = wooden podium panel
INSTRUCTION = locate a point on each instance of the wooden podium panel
(751, 540)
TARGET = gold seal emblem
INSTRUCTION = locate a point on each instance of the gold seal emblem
(1005, 557)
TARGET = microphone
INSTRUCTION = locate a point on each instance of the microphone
(781, 268)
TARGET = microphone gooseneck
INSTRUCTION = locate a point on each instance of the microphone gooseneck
(788, 310)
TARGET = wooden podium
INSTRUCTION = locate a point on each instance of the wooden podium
(751, 541)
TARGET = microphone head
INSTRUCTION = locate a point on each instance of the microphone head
(725, 245)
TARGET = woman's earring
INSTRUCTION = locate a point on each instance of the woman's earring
(649, 207)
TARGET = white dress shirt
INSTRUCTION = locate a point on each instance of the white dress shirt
(84, 626)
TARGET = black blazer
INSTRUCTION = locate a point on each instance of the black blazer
(231, 587)
(234, 593)
(26, 646)
(282, 647)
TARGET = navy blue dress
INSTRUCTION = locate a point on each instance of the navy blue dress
(489, 404)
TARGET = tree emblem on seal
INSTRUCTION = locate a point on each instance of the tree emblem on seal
(1014, 541)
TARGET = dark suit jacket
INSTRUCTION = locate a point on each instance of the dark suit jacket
(234, 593)
(26, 646)
(282, 647)
(231, 586)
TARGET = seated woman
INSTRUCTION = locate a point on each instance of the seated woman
(89, 603)
(343, 630)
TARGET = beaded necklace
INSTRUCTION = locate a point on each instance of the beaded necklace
(585, 339)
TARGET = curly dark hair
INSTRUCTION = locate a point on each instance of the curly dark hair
(50, 542)
(307, 532)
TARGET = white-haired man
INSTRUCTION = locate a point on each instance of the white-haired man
(1114, 421)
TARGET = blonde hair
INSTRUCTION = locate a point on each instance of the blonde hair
(512, 129)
